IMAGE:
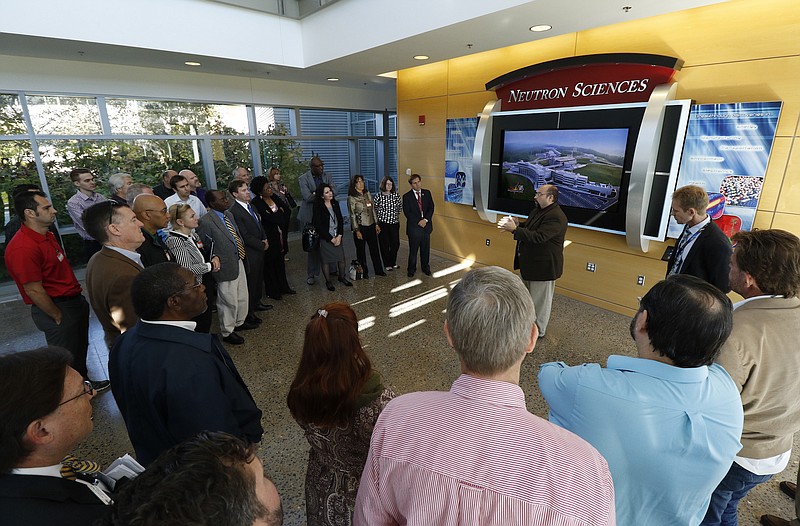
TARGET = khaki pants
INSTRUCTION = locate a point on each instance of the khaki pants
(542, 294)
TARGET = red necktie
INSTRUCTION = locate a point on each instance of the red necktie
(419, 201)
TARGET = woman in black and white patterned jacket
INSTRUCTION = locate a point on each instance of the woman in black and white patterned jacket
(387, 207)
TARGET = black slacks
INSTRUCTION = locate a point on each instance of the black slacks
(72, 333)
(419, 239)
(389, 240)
(368, 237)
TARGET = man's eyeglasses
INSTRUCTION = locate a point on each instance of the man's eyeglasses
(197, 284)
(87, 389)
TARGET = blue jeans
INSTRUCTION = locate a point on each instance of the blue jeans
(725, 499)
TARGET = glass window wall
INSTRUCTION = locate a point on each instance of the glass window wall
(44, 136)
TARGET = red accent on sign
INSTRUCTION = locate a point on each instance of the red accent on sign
(422, 120)
(585, 85)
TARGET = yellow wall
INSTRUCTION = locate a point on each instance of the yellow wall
(742, 50)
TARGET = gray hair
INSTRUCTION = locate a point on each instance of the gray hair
(135, 190)
(117, 181)
(490, 316)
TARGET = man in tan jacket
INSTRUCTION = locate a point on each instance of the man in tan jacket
(761, 356)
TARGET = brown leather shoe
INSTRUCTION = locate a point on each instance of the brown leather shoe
(772, 520)
(789, 488)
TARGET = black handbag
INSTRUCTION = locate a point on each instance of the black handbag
(310, 238)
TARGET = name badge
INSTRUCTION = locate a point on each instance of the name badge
(60, 256)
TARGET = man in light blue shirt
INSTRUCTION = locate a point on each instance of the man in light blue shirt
(668, 422)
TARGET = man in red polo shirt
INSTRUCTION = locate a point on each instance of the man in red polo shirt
(39, 267)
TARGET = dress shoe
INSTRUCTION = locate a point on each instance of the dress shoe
(233, 339)
(772, 520)
(100, 385)
(427, 272)
(263, 307)
(246, 326)
(410, 274)
(252, 318)
(789, 488)
(380, 274)
(329, 286)
(310, 280)
(345, 282)
(276, 297)
(388, 269)
(288, 291)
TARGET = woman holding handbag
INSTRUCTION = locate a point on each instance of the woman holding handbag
(364, 225)
(329, 224)
(191, 253)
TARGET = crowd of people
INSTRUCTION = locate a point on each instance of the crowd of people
(678, 433)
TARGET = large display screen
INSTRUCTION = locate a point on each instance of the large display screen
(587, 152)
(585, 164)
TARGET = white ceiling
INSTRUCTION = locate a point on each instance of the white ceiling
(354, 40)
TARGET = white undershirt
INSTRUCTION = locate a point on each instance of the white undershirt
(762, 466)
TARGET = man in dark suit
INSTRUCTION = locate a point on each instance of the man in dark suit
(255, 244)
(418, 209)
(110, 272)
(540, 250)
(45, 413)
(152, 212)
(702, 250)
(219, 228)
(164, 190)
(172, 382)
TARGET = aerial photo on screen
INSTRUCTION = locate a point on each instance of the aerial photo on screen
(585, 165)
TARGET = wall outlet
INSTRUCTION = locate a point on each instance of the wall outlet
(640, 280)
(408, 172)
(591, 267)
(487, 241)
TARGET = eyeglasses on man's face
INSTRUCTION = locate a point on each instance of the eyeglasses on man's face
(87, 389)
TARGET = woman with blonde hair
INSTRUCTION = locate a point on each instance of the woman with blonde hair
(191, 253)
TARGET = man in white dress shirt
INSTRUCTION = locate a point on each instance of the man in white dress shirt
(183, 194)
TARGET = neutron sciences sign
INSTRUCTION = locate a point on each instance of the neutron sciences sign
(601, 79)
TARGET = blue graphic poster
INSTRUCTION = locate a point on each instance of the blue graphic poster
(726, 152)
(458, 160)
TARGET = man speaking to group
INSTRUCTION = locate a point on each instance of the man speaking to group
(540, 250)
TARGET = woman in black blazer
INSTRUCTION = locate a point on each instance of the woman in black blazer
(273, 218)
(329, 224)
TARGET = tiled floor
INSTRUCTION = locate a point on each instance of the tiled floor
(401, 322)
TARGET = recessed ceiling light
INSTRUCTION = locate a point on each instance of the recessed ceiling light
(333, 79)
(190, 63)
(541, 27)
(421, 57)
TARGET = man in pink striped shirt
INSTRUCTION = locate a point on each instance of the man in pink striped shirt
(475, 455)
